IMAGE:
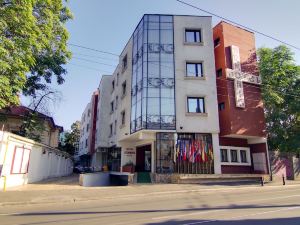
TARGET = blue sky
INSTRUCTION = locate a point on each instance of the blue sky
(108, 24)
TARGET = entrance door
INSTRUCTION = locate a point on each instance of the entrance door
(143, 158)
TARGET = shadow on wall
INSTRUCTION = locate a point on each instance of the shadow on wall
(282, 165)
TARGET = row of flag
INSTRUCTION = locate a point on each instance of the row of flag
(193, 151)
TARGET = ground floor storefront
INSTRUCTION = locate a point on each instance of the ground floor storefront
(162, 156)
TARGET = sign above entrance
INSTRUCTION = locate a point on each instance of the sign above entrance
(239, 77)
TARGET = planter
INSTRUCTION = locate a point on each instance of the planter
(128, 169)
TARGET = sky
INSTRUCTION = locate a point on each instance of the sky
(107, 25)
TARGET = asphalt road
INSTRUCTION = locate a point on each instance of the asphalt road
(248, 206)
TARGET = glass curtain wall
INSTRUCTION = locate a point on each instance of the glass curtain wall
(153, 78)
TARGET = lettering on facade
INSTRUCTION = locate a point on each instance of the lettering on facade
(154, 48)
(239, 77)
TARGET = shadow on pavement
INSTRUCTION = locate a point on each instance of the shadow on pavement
(278, 221)
(157, 210)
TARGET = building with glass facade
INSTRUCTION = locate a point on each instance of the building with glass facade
(158, 113)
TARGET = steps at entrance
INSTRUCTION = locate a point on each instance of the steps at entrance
(224, 179)
(143, 177)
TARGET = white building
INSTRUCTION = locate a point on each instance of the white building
(84, 131)
(162, 93)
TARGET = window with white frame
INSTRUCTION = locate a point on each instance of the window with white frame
(117, 102)
(123, 88)
(234, 155)
(20, 160)
(193, 35)
(231, 155)
(111, 129)
(194, 69)
(224, 155)
(112, 106)
(123, 117)
(195, 105)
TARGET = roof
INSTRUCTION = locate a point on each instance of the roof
(22, 111)
(225, 22)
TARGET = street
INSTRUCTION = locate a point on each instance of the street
(154, 204)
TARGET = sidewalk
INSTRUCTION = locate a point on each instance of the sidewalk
(67, 190)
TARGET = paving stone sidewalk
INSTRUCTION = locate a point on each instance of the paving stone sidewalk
(66, 190)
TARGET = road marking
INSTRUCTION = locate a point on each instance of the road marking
(187, 214)
(247, 215)
(218, 210)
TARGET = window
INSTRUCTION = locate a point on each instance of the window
(113, 85)
(219, 72)
(194, 70)
(221, 106)
(243, 155)
(124, 88)
(89, 112)
(110, 129)
(124, 63)
(87, 127)
(115, 127)
(86, 143)
(196, 105)
(123, 117)
(192, 36)
(117, 101)
(112, 106)
(20, 160)
(224, 155)
(217, 42)
(117, 79)
(234, 155)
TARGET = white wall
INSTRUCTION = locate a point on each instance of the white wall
(104, 115)
(44, 162)
(84, 134)
(195, 87)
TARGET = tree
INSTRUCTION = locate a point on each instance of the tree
(33, 124)
(281, 95)
(33, 46)
(71, 140)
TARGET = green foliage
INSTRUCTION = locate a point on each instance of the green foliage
(71, 139)
(33, 46)
(32, 127)
(281, 94)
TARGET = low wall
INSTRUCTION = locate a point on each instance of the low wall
(25, 161)
(282, 165)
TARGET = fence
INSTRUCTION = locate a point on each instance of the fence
(25, 161)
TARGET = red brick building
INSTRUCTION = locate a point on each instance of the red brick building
(241, 114)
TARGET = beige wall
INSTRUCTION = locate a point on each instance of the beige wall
(49, 136)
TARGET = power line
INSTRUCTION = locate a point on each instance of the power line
(92, 49)
(95, 56)
(92, 61)
(90, 68)
(238, 24)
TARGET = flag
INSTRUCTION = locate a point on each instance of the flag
(181, 150)
(176, 153)
(184, 151)
(190, 151)
(203, 151)
(211, 153)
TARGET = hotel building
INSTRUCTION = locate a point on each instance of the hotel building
(159, 111)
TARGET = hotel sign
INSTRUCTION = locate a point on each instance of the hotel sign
(239, 77)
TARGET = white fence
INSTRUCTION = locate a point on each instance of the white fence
(25, 161)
